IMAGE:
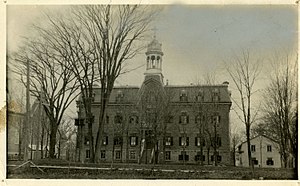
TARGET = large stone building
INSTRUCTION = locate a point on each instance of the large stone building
(161, 123)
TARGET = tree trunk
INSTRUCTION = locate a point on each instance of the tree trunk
(52, 140)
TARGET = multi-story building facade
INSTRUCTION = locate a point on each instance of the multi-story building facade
(161, 123)
(264, 153)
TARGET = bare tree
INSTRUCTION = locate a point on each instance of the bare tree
(244, 72)
(280, 106)
(50, 75)
(115, 32)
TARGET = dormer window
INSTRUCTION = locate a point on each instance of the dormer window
(200, 96)
(120, 97)
(183, 96)
(216, 95)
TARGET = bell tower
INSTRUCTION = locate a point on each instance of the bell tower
(154, 60)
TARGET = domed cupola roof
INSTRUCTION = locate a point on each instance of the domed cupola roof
(154, 47)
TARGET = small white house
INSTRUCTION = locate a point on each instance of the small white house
(264, 153)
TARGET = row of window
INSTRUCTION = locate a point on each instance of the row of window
(269, 148)
(133, 155)
(185, 157)
(183, 97)
(183, 141)
(117, 155)
(269, 161)
(184, 118)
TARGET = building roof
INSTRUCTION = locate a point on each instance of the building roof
(257, 137)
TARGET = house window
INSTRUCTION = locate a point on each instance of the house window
(102, 154)
(118, 140)
(87, 154)
(118, 155)
(132, 155)
(119, 97)
(269, 148)
(183, 141)
(118, 119)
(255, 161)
(270, 161)
(105, 140)
(169, 141)
(199, 118)
(168, 155)
(184, 118)
(252, 148)
(198, 140)
(183, 156)
(133, 140)
(183, 96)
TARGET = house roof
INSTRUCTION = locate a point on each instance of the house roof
(257, 137)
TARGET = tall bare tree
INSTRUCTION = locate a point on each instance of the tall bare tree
(280, 106)
(244, 72)
(115, 32)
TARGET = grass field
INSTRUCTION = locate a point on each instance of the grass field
(68, 170)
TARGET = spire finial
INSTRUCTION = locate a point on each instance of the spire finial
(154, 32)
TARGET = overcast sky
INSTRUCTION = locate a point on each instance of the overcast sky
(196, 39)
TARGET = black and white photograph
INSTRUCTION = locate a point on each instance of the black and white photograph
(151, 91)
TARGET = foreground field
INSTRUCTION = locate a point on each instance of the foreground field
(65, 170)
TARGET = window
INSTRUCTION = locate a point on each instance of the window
(87, 154)
(199, 118)
(133, 141)
(219, 158)
(169, 141)
(86, 140)
(198, 157)
(270, 161)
(216, 119)
(107, 119)
(133, 119)
(105, 140)
(255, 161)
(132, 155)
(119, 97)
(118, 119)
(168, 155)
(252, 148)
(219, 141)
(183, 141)
(102, 154)
(184, 118)
(198, 140)
(200, 96)
(169, 119)
(269, 148)
(118, 155)
(183, 96)
(118, 140)
(215, 95)
(183, 156)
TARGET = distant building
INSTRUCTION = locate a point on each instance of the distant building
(159, 122)
(264, 153)
(15, 121)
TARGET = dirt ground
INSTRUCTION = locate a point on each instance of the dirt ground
(67, 170)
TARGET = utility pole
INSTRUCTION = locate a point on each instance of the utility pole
(27, 123)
